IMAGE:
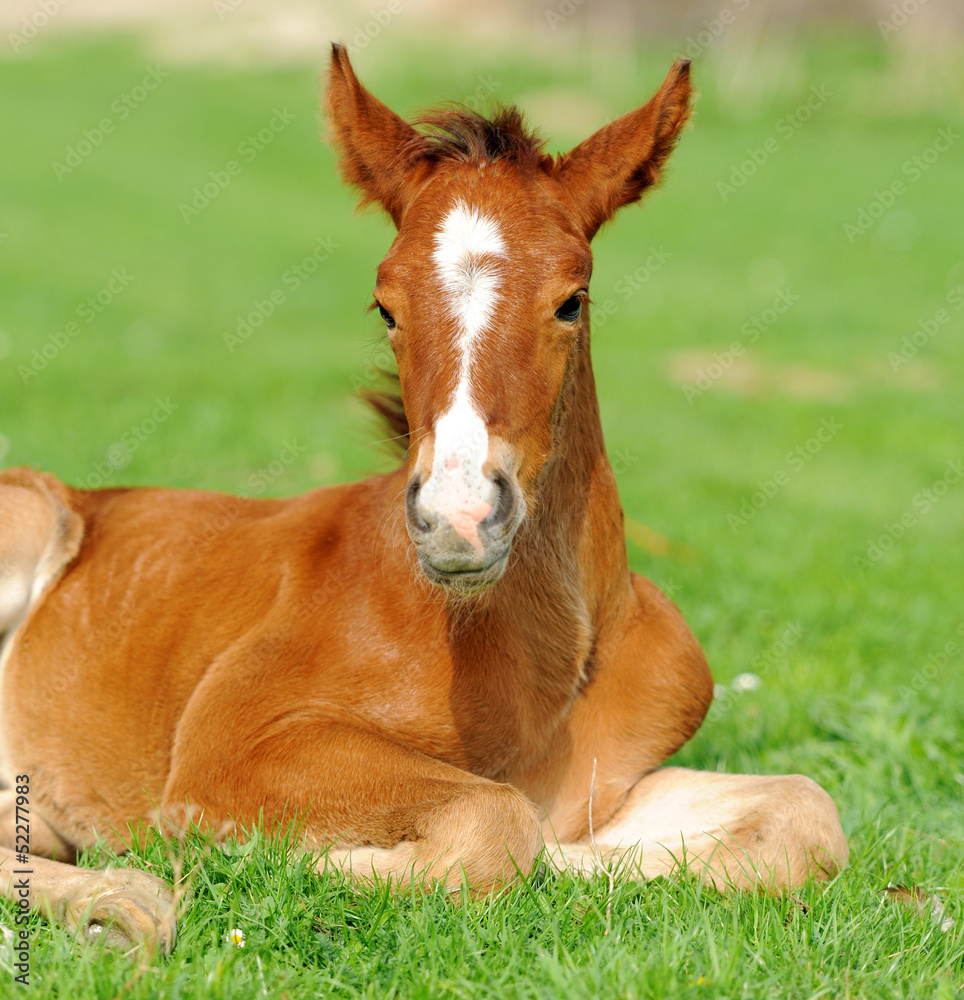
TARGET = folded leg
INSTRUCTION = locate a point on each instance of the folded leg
(386, 810)
(736, 830)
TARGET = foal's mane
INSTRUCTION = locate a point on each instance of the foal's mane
(387, 403)
(457, 134)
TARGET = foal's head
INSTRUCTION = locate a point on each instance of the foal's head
(484, 294)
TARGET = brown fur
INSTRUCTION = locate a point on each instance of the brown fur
(232, 658)
(465, 136)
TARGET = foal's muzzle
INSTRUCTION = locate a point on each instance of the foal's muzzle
(464, 545)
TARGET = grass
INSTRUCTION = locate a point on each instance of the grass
(855, 684)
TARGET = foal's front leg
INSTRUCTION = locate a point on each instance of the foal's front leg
(648, 696)
(737, 830)
(383, 809)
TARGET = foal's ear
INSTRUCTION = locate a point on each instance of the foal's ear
(379, 150)
(615, 166)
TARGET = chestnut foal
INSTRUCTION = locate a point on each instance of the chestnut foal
(424, 666)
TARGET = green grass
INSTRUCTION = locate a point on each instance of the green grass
(860, 699)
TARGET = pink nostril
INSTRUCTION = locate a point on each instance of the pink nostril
(466, 523)
(450, 505)
(463, 510)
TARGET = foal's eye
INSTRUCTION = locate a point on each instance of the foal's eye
(569, 311)
(387, 316)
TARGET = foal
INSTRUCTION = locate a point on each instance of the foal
(435, 668)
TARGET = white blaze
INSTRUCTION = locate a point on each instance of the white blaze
(471, 283)
(457, 488)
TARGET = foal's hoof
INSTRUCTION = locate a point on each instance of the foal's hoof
(127, 909)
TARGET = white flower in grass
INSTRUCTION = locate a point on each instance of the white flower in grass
(235, 936)
(746, 682)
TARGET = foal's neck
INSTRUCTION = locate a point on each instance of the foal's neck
(572, 543)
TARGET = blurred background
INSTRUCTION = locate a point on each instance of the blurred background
(777, 332)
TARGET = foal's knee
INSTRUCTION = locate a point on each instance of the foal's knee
(816, 813)
(490, 833)
(795, 834)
